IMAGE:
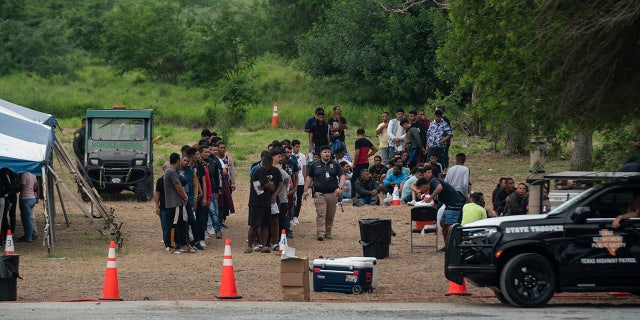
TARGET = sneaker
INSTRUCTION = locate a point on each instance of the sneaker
(211, 232)
(320, 238)
(295, 219)
(442, 250)
(248, 250)
(202, 243)
(198, 246)
(346, 201)
(292, 223)
(411, 203)
(175, 251)
(265, 250)
(224, 226)
(257, 247)
(167, 250)
(275, 247)
(218, 234)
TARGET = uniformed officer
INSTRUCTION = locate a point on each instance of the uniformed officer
(79, 140)
(328, 179)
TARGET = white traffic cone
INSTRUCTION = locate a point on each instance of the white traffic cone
(282, 246)
(395, 201)
(8, 244)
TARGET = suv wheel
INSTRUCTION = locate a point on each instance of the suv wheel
(144, 189)
(528, 280)
(500, 296)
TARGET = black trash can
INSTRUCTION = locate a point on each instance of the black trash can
(8, 277)
(375, 237)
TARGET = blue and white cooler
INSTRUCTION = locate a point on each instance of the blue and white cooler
(347, 275)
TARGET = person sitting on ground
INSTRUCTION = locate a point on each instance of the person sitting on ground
(633, 211)
(436, 167)
(407, 195)
(474, 210)
(378, 172)
(395, 178)
(345, 195)
(516, 201)
(340, 156)
(366, 190)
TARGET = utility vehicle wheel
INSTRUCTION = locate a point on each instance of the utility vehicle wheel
(144, 189)
(528, 280)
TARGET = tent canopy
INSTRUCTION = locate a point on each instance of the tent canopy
(26, 138)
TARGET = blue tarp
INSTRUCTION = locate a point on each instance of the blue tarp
(26, 138)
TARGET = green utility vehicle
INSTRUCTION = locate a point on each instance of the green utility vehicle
(119, 151)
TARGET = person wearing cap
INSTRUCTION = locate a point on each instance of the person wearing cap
(328, 180)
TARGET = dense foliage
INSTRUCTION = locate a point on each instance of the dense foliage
(512, 68)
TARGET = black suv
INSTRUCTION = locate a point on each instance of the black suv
(526, 259)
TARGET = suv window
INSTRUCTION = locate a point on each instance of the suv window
(611, 204)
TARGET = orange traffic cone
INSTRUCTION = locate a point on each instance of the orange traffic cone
(110, 289)
(395, 201)
(274, 117)
(282, 246)
(228, 282)
(457, 289)
(8, 244)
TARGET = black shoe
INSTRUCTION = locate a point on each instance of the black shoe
(224, 226)
(218, 234)
(23, 239)
(320, 238)
(198, 246)
(442, 250)
(289, 235)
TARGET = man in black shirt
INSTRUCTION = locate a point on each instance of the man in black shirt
(266, 183)
(328, 179)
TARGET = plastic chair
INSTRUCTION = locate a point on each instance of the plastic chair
(425, 219)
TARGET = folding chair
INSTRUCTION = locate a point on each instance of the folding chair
(425, 222)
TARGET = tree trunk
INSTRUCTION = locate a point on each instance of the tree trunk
(582, 156)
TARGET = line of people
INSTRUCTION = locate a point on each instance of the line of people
(194, 195)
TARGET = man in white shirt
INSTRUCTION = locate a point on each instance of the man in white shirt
(396, 132)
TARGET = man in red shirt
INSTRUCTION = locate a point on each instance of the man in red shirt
(363, 150)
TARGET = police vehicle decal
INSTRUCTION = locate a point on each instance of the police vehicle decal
(494, 222)
(534, 229)
(607, 239)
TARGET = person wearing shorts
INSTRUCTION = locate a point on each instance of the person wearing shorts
(445, 194)
(266, 183)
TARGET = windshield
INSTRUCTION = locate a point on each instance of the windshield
(117, 129)
(575, 200)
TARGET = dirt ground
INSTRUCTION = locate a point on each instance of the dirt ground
(76, 271)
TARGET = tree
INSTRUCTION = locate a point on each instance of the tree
(147, 36)
(395, 53)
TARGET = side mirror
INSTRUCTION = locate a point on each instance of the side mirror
(580, 214)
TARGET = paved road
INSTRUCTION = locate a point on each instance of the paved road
(307, 311)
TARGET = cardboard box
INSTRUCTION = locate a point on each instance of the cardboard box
(296, 293)
(294, 265)
(291, 279)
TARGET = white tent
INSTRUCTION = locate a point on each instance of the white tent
(26, 138)
(26, 144)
